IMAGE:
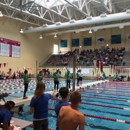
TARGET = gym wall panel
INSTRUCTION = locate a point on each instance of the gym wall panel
(126, 31)
(67, 37)
(32, 48)
(104, 32)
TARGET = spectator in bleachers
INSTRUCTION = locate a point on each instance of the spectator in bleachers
(14, 75)
(19, 73)
(2, 76)
(123, 62)
(107, 56)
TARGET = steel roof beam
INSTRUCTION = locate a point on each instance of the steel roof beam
(25, 12)
(104, 3)
(76, 8)
(53, 11)
(21, 20)
(83, 22)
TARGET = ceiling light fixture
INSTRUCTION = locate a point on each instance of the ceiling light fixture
(45, 25)
(21, 31)
(103, 15)
(30, 27)
(89, 18)
(128, 11)
(40, 37)
(121, 26)
(1, 15)
(72, 21)
(58, 23)
(90, 31)
(55, 35)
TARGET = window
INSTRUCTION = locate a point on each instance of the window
(55, 49)
(116, 39)
(63, 43)
(75, 42)
(87, 41)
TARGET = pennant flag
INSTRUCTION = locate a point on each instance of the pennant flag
(97, 64)
(4, 64)
(101, 66)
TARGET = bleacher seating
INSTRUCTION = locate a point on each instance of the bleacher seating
(86, 57)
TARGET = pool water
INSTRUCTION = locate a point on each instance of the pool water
(15, 87)
(99, 101)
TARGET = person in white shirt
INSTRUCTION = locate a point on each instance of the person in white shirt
(80, 77)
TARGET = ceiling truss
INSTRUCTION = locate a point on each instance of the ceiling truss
(37, 12)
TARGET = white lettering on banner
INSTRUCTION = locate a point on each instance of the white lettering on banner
(9, 48)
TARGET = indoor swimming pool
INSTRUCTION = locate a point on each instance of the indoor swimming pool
(106, 107)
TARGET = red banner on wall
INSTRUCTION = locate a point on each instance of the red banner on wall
(9, 48)
(4, 64)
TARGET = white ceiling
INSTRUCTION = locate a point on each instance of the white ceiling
(39, 12)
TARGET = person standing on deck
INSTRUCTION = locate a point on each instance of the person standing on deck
(77, 76)
(68, 77)
(56, 80)
(39, 77)
(26, 82)
(69, 117)
(64, 93)
(103, 75)
(80, 77)
(117, 76)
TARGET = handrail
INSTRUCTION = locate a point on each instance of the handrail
(47, 57)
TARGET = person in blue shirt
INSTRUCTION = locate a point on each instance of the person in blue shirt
(116, 76)
(64, 92)
(39, 106)
(5, 115)
(103, 75)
